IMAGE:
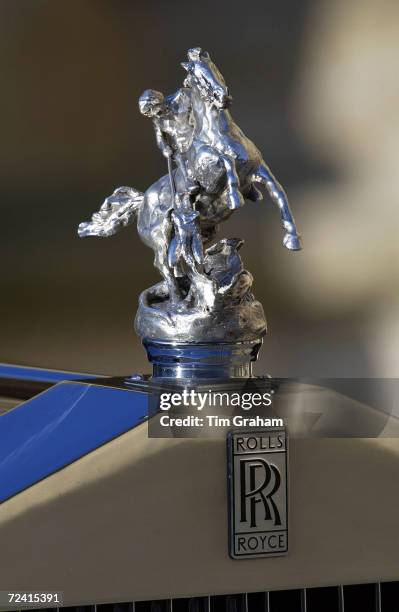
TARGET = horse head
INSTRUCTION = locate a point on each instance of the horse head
(204, 76)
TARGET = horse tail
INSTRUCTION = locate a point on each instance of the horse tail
(118, 210)
(125, 202)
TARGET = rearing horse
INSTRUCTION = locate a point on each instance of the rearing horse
(221, 156)
(226, 164)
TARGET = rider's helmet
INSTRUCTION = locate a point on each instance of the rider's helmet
(151, 102)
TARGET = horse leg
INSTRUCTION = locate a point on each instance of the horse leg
(161, 263)
(190, 186)
(234, 196)
(191, 257)
(263, 175)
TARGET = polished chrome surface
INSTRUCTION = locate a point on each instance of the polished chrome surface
(201, 360)
(206, 293)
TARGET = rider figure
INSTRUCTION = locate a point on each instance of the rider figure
(173, 124)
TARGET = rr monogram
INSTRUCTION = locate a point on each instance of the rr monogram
(251, 494)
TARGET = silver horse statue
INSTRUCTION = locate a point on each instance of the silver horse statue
(227, 167)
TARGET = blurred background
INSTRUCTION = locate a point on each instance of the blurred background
(315, 85)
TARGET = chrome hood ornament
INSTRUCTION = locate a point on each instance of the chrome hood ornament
(202, 319)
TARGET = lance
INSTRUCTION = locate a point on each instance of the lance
(171, 180)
